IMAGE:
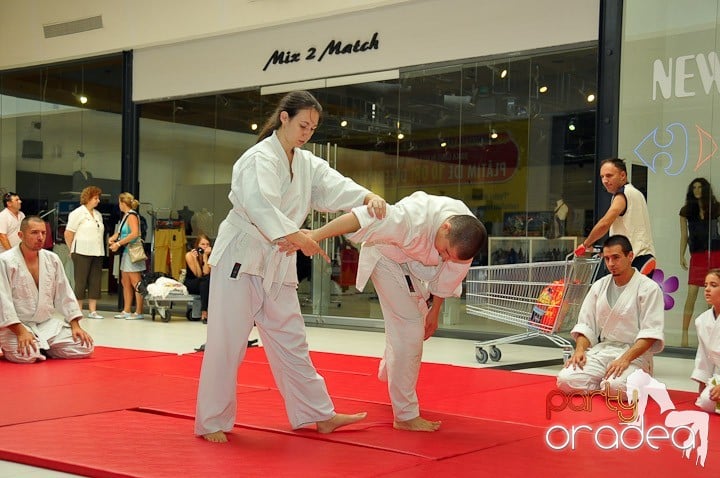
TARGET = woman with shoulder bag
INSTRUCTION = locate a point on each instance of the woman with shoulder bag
(130, 272)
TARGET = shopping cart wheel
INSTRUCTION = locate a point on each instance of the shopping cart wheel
(481, 355)
(495, 354)
(167, 315)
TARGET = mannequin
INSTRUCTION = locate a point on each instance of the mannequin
(185, 214)
(699, 235)
(561, 214)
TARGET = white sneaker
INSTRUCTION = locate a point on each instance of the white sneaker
(95, 315)
(134, 316)
(122, 315)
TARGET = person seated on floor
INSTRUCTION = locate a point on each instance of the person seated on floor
(416, 256)
(197, 278)
(619, 329)
(32, 285)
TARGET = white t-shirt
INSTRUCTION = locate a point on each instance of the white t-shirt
(89, 232)
(10, 226)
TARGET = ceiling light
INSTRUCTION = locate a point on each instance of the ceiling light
(254, 126)
(400, 136)
(343, 123)
(443, 144)
(543, 89)
(493, 134)
(590, 97)
(571, 124)
(503, 73)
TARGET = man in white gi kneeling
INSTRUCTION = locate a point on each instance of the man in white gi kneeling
(619, 329)
(32, 285)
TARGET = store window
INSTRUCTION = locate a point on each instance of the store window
(669, 131)
(512, 137)
(60, 131)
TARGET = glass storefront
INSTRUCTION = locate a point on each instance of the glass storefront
(670, 91)
(60, 131)
(512, 137)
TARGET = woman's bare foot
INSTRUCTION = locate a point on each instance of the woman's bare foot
(339, 420)
(417, 424)
(216, 437)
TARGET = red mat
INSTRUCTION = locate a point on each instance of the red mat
(458, 435)
(531, 457)
(124, 444)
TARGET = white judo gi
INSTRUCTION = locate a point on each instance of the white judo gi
(399, 255)
(707, 358)
(637, 314)
(21, 301)
(252, 282)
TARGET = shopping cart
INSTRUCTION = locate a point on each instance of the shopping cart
(542, 297)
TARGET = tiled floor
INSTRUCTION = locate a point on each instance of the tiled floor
(181, 336)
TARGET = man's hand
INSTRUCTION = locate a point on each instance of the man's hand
(715, 393)
(377, 207)
(617, 367)
(578, 359)
(27, 343)
(580, 251)
(431, 323)
(79, 334)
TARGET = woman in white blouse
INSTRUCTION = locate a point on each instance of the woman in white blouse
(84, 234)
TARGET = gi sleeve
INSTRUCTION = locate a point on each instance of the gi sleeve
(651, 312)
(64, 298)
(8, 314)
(587, 323)
(331, 191)
(393, 229)
(448, 282)
(704, 366)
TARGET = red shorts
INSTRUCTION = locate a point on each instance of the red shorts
(700, 263)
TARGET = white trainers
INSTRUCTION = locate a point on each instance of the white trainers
(134, 316)
(95, 315)
(123, 315)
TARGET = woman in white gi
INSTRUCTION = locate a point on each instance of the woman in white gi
(130, 272)
(620, 326)
(33, 285)
(85, 235)
(707, 358)
(416, 257)
(275, 184)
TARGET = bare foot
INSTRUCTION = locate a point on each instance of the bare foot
(216, 437)
(417, 424)
(339, 420)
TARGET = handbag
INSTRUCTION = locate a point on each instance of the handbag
(136, 251)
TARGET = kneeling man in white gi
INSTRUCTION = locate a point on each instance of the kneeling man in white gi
(416, 256)
(32, 285)
(619, 329)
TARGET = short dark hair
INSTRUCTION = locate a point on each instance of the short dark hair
(617, 162)
(7, 197)
(619, 240)
(28, 219)
(467, 235)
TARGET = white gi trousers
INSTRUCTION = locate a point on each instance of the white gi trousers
(404, 313)
(53, 336)
(590, 377)
(234, 306)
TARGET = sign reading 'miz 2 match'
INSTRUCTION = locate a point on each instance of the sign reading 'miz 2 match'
(334, 47)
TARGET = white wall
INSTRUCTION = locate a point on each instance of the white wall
(411, 33)
(131, 24)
